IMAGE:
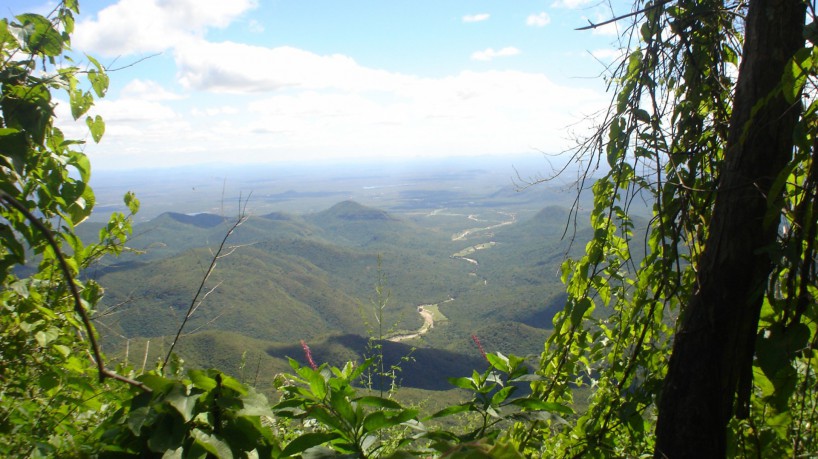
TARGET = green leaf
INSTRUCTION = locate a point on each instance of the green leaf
(322, 415)
(579, 310)
(381, 419)
(81, 208)
(254, 404)
(173, 453)
(202, 379)
(38, 35)
(306, 441)
(318, 385)
(539, 405)
(212, 444)
(155, 382)
(376, 420)
(795, 75)
(97, 127)
(131, 202)
(379, 402)
(498, 361)
(80, 102)
(168, 433)
(13, 148)
(343, 407)
(28, 109)
(137, 418)
(232, 384)
(83, 165)
(183, 402)
(47, 336)
(501, 395)
(642, 115)
(99, 82)
(463, 383)
(450, 410)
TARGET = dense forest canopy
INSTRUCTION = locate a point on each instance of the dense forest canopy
(704, 345)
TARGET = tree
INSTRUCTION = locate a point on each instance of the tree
(49, 400)
(714, 346)
(712, 125)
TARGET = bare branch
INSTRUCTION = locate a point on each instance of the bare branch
(624, 16)
(195, 302)
(108, 69)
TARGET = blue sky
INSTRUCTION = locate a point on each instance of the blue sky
(257, 81)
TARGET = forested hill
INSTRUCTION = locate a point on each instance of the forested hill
(290, 277)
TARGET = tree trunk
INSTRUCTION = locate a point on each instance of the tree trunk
(715, 342)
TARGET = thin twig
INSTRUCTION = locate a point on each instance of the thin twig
(108, 69)
(194, 303)
(592, 25)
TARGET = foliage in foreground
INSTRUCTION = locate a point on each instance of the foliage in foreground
(51, 371)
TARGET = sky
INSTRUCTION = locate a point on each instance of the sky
(267, 81)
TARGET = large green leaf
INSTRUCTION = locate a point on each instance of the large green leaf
(212, 444)
(184, 403)
(306, 441)
(97, 127)
(379, 402)
(13, 148)
(38, 35)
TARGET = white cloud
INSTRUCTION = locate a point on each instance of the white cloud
(290, 103)
(330, 106)
(608, 54)
(255, 26)
(480, 17)
(570, 4)
(468, 113)
(490, 53)
(147, 90)
(141, 26)
(214, 111)
(541, 19)
(208, 66)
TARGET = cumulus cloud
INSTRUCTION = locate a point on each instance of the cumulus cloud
(467, 113)
(570, 4)
(141, 26)
(607, 54)
(541, 19)
(326, 106)
(292, 103)
(490, 53)
(148, 90)
(215, 111)
(480, 17)
(209, 66)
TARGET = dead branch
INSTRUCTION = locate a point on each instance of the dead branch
(195, 302)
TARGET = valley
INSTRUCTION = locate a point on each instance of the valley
(486, 267)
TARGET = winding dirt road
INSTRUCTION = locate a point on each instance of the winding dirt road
(428, 324)
(464, 234)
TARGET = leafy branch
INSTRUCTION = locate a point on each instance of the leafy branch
(103, 371)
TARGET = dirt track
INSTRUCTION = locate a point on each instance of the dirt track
(428, 324)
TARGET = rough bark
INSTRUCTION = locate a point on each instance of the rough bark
(715, 341)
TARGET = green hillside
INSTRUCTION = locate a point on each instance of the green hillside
(291, 277)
